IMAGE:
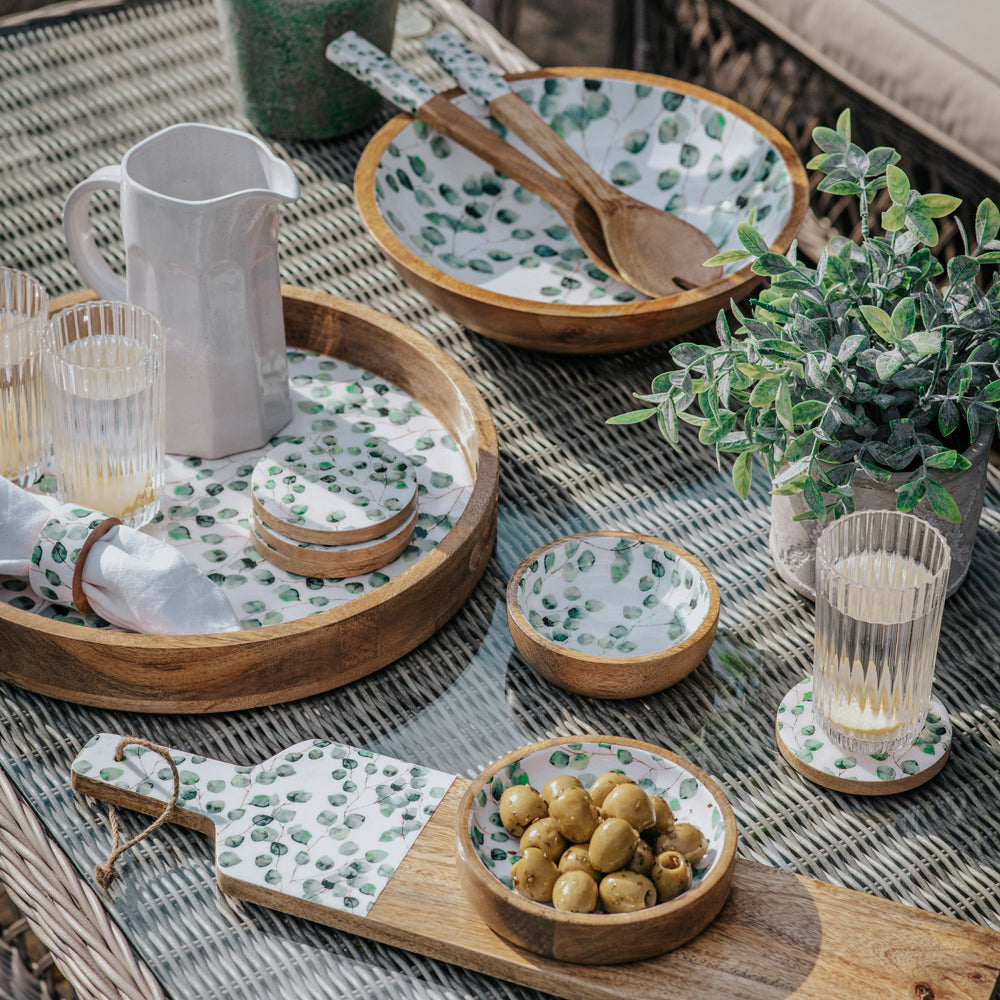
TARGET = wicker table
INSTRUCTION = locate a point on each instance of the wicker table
(76, 94)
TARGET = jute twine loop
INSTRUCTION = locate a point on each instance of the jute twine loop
(105, 873)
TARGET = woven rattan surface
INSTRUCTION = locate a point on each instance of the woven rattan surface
(77, 94)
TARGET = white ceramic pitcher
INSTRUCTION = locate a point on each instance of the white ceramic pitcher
(199, 216)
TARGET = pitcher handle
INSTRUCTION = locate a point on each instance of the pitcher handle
(83, 250)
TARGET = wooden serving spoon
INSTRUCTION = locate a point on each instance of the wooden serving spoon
(653, 250)
(409, 93)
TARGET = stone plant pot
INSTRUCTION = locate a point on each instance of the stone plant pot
(283, 81)
(793, 543)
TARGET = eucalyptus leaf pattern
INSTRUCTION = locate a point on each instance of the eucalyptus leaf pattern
(371, 65)
(473, 73)
(474, 224)
(340, 480)
(322, 821)
(612, 596)
(800, 732)
(56, 552)
(206, 504)
(688, 798)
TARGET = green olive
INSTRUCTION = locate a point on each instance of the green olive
(520, 806)
(576, 892)
(534, 875)
(626, 892)
(554, 787)
(671, 875)
(600, 788)
(630, 803)
(575, 815)
(577, 859)
(613, 845)
(686, 839)
(544, 834)
(663, 819)
(642, 860)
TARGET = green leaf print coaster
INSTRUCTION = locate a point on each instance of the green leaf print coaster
(336, 488)
(806, 746)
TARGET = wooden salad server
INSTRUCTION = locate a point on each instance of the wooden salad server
(654, 251)
(409, 93)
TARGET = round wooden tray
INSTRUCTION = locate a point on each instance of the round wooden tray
(255, 667)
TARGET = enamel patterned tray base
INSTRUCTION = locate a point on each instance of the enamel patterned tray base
(301, 635)
(806, 746)
(206, 505)
(367, 844)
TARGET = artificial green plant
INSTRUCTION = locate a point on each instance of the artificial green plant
(878, 360)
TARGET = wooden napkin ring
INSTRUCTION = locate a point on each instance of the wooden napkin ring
(79, 598)
(55, 571)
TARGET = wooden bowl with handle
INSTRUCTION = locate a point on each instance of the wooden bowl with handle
(486, 852)
(612, 614)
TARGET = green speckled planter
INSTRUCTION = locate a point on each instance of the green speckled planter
(283, 82)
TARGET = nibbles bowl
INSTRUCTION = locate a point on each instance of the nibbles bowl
(486, 852)
(612, 614)
(502, 262)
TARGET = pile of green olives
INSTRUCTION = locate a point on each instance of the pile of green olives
(610, 846)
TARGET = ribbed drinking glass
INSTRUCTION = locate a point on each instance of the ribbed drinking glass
(24, 432)
(104, 373)
(881, 578)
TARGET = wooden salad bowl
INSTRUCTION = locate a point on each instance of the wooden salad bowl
(532, 322)
(592, 938)
(294, 659)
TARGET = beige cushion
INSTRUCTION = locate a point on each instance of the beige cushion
(934, 64)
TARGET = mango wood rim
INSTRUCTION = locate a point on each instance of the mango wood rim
(373, 556)
(168, 673)
(722, 289)
(527, 639)
(597, 926)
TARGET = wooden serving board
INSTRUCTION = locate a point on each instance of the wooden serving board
(306, 656)
(779, 936)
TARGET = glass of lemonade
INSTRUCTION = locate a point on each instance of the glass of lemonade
(881, 578)
(24, 432)
(104, 375)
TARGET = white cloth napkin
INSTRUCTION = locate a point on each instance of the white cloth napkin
(130, 579)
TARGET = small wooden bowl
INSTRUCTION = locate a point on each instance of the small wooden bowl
(486, 852)
(612, 614)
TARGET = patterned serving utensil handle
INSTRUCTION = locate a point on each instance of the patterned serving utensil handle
(473, 73)
(370, 65)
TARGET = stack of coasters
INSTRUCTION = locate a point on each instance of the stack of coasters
(334, 505)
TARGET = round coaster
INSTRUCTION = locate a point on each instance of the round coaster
(337, 488)
(806, 746)
(329, 561)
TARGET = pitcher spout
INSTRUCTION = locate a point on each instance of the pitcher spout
(282, 183)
